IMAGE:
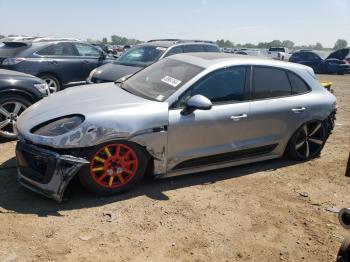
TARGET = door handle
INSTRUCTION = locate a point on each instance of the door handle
(54, 62)
(238, 117)
(298, 110)
(85, 61)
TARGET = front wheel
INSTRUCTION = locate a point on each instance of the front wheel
(114, 168)
(11, 107)
(308, 141)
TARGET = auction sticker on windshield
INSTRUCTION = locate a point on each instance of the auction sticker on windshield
(171, 81)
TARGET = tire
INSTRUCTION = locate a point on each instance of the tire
(344, 251)
(114, 170)
(52, 82)
(11, 106)
(307, 142)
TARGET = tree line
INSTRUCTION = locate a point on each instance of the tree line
(340, 43)
(120, 40)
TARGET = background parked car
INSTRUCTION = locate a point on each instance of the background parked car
(57, 62)
(279, 53)
(17, 92)
(319, 65)
(145, 54)
(341, 54)
(101, 47)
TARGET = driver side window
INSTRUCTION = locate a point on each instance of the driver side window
(220, 87)
(86, 50)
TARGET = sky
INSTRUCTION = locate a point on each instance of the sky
(302, 21)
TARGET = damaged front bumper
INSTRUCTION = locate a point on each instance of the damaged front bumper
(44, 171)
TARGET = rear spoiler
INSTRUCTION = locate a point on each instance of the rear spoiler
(17, 43)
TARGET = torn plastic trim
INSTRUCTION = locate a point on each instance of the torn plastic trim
(60, 170)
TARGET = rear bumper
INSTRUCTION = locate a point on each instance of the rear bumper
(330, 122)
(44, 171)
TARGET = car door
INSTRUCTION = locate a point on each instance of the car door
(90, 58)
(60, 59)
(276, 110)
(209, 133)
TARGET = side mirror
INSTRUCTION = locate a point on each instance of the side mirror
(196, 102)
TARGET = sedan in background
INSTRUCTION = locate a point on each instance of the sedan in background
(17, 92)
(146, 54)
(319, 65)
(183, 114)
(58, 62)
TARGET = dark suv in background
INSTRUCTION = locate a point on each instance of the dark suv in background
(145, 54)
(329, 65)
(17, 92)
(57, 61)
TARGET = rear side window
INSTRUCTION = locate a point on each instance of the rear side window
(175, 50)
(211, 48)
(298, 85)
(87, 50)
(60, 49)
(276, 49)
(296, 56)
(193, 48)
(270, 83)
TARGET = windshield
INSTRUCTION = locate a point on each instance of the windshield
(276, 49)
(160, 80)
(141, 56)
(322, 54)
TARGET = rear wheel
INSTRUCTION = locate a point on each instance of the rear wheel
(114, 168)
(11, 106)
(308, 141)
(52, 83)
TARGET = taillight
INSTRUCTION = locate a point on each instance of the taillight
(13, 61)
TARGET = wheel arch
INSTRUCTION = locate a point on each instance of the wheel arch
(41, 74)
(16, 91)
(149, 151)
(153, 142)
(318, 118)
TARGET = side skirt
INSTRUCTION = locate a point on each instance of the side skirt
(230, 156)
(217, 166)
(223, 160)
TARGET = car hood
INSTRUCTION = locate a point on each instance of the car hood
(10, 73)
(112, 72)
(109, 112)
(339, 54)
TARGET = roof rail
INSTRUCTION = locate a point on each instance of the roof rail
(196, 41)
(169, 40)
(49, 39)
(182, 40)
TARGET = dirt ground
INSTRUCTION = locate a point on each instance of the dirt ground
(248, 213)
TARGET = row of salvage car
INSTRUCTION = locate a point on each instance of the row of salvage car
(187, 111)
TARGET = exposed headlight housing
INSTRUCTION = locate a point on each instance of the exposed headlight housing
(13, 60)
(58, 126)
(42, 88)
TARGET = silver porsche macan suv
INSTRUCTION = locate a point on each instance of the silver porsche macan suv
(184, 114)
